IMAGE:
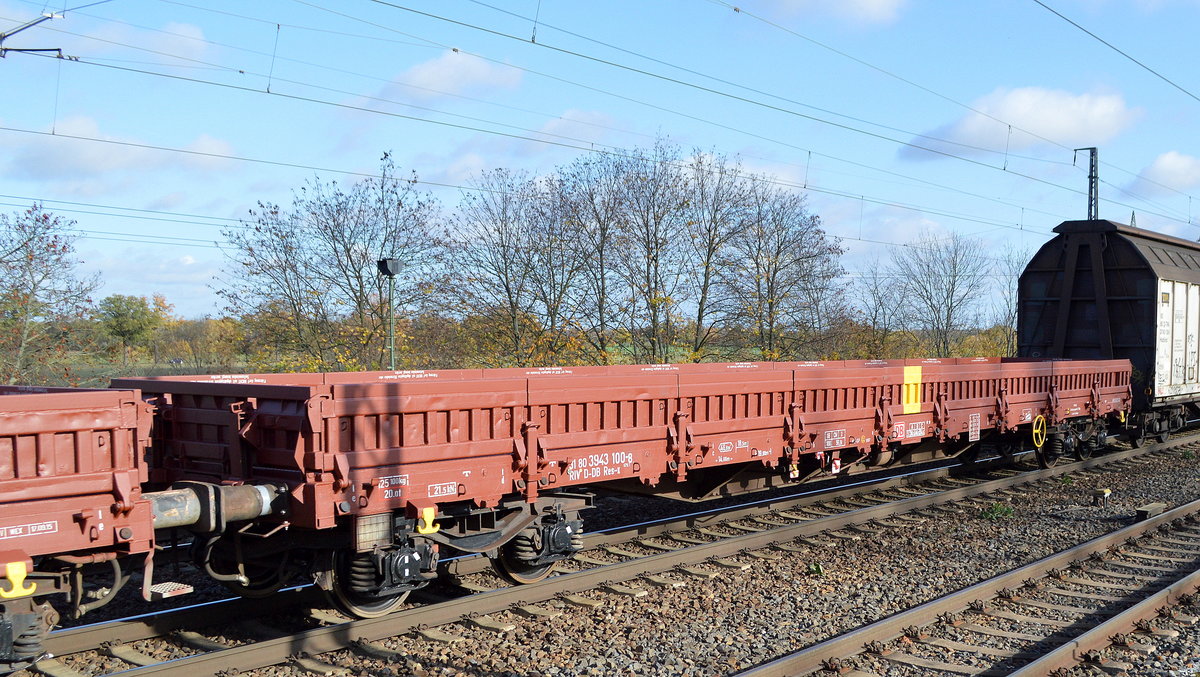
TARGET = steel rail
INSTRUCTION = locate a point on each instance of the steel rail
(157, 624)
(331, 638)
(909, 476)
(1074, 651)
(812, 658)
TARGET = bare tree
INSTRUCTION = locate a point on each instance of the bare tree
(307, 278)
(718, 203)
(1008, 266)
(557, 256)
(653, 259)
(780, 261)
(491, 268)
(819, 321)
(944, 280)
(593, 187)
(878, 299)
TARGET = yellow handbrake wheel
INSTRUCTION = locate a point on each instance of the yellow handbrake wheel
(1039, 431)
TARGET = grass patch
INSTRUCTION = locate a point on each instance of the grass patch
(996, 511)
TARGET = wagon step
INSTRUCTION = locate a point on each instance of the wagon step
(166, 589)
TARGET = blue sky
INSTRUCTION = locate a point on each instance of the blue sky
(897, 116)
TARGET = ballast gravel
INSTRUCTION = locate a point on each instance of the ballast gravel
(1172, 656)
(738, 619)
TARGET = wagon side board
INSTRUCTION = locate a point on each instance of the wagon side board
(367, 443)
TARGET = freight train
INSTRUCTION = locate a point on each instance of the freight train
(364, 481)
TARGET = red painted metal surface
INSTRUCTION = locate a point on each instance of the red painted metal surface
(370, 442)
(71, 469)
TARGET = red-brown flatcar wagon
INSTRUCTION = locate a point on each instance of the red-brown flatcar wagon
(383, 468)
(74, 519)
(71, 474)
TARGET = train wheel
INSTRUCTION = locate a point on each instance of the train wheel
(1163, 436)
(1087, 448)
(353, 578)
(1049, 453)
(514, 560)
(521, 573)
(1138, 439)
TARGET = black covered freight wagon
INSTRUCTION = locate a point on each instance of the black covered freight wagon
(1102, 290)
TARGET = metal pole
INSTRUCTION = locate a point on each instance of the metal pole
(391, 323)
(1093, 182)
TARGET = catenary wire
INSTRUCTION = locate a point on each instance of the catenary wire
(757, 103)
(839, 159)
(1118, 50)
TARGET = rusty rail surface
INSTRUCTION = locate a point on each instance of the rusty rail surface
(331, 638)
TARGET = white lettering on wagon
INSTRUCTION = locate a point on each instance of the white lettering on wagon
(593, 466)
(34, 529)
(443, 489)
(917, 428)
(549, 370)
(391, 485)
(392, 481)
(235, 379)
(407, 375)
(835, 438)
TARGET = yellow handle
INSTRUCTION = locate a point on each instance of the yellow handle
(15, 572)
(426, 525)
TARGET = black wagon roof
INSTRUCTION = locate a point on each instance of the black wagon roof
(1171, 258)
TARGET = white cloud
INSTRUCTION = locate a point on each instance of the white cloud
(179, 39)
(463, 168)
(62, 159)
(168, 202)
(209, 146)
(1171, 170)
(183, 279)
(1062, 117)
(452, 73)
(855, 11)
(174, 43)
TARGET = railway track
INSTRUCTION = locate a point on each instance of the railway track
(1053, 614)
(622, 562)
